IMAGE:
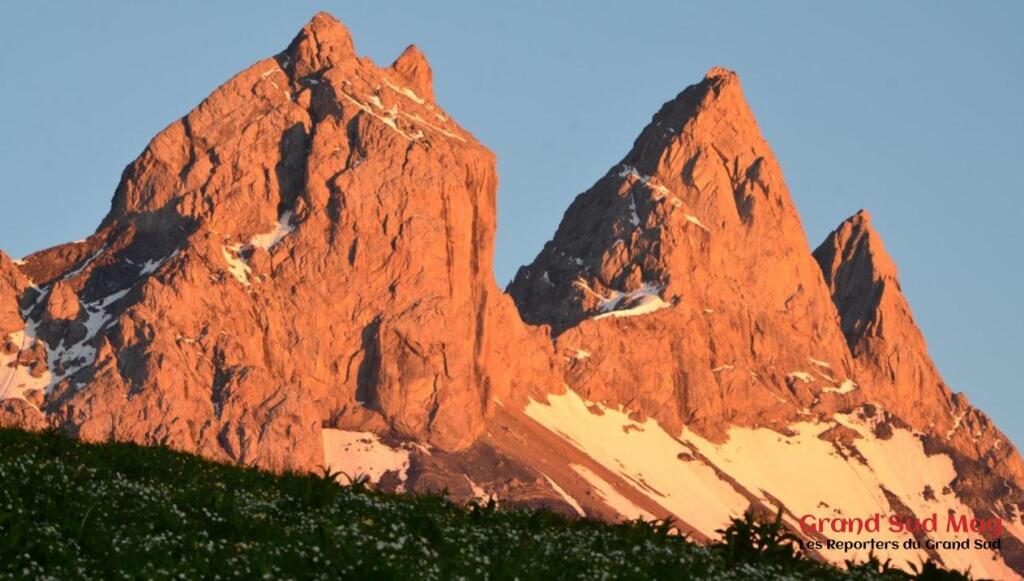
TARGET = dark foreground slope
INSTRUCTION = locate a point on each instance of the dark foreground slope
(73, 510)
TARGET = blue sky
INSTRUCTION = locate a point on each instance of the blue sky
(911, 110)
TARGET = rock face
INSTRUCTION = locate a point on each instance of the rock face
(890, 350)
(310, 247)
(12, 286)
(691, 248)
(681, 292)
(298, 274)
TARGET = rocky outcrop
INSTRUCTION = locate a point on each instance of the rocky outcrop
(12, 285)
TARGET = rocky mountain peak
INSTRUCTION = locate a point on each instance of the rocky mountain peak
(717, 72)
(324, 42)
(699, 197)
(310, 247)
(412, 65)
(862, 278)
(298, 274)
(896, 369)
(692, 238)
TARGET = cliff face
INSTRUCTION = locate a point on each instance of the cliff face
(298, 274)
(310, 247)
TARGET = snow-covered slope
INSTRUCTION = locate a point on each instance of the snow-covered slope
(827, 469)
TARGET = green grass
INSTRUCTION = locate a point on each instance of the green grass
(70, 510)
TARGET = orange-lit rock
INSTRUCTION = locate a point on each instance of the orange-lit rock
(310, 247)
(305, 258)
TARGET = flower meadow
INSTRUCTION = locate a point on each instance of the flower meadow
(70, 510)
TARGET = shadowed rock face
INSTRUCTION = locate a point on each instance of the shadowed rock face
(892, 356)
(298, 274)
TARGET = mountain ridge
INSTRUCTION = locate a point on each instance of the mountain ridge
(298, 274)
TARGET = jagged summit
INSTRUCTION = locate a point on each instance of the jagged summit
(322, 43)
(861, 275)
(855, 242)
(412, 64)
(893, 360)
(281, 260)
(720, 72)
(699, 187)
(879, 326)
(719, 94)
(692, 238)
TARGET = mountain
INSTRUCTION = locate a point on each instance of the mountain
(298, 274)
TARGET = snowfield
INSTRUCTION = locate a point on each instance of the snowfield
(704, 484)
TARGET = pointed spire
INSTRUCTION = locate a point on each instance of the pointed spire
(322, 43)
(855, 245)
(862, 278)
(711, 115)
(412, 65)
(717, 72)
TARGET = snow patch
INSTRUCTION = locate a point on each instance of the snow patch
(846, 386)
(659, 191)
(645, 305)
(478, 492)
(85, 264)
(801, 375)
(15, 378)
(634, 218)
(409, 93)
(151, 266)
(956, 424)
(362, 453)
(389, 117)
(268, 240)
(385, 119)
(66, 360)
(694, 220)
(237, 267)
(902, 465)
(645, 456)
(565, 496)
(546, 279)
(611, 497)
(800, 471)
(644, 300)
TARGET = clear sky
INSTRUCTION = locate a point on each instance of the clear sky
(912, 110)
